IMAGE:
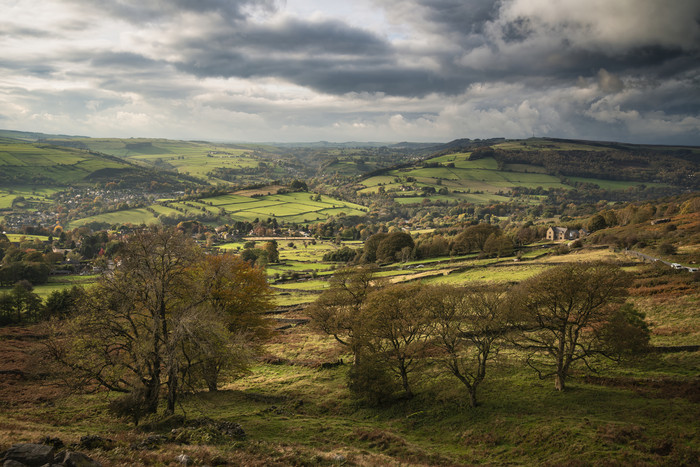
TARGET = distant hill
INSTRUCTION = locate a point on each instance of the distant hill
(40, 163)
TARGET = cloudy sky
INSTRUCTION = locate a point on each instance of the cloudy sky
(360, 70)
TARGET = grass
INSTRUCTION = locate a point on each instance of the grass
(641, 412)
(128, 216)
(296, 413)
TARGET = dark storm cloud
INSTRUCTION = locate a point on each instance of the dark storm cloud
(328, 56)
(10, 30)
(460, 16)
(336, 58)
(140, 11)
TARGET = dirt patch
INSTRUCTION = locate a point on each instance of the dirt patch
(25, 377)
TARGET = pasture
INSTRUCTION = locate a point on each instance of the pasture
(187, 157)
(128, 216)
(296, 411)
(29, 162)
(478, 181)
(289, 207)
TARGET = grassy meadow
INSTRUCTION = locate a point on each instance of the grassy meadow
(61, 166)
(478, 181)
(295, 412)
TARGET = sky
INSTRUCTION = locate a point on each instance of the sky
(360, 70)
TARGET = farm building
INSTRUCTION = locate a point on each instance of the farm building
(564, 233)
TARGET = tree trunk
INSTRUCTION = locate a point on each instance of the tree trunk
(559, 382)
(172, 389)
(472, 396)
(151, 398)
(404, 383)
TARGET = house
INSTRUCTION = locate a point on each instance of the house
(564, 233)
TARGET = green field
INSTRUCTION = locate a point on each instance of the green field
(187, 157)
(479, 181)
(476, 181)
(29, 162)
(290, 207)
(128, 216)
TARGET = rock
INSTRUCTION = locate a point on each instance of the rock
(30, 455)
(78, 459)
(13, 463)
(184, 459)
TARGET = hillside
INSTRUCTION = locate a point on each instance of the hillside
(496, 170)
(26, 163)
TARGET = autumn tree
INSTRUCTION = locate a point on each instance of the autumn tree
(167, 315)
(273, 255)
(473, 238)
(232, 296)
(563, 313)
(391, 246)
(467, 327)
(394, 331)
(338, 310)
(369, 250)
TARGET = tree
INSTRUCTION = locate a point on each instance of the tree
(498, 245)
(124, 339)
(597, 222)
(390, 246)
(369, 251)
(338, 310)
(61, 303)
(563, 312)
(273, 255)
(394, 331)
(468, 324)
(232, 296)
(20, 304)
(473, 238)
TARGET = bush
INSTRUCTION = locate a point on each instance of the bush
(666, 249)
(371, 381)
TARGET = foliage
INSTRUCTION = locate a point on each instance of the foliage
(562, 313)
(62, 303)
(394, 330)
(224, 330)
(166, 316)
(341, 255)
(390, 246)
(19, 305)
(467, 325)
(473, 238)
(338, 310)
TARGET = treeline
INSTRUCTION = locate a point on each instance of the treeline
(400, 334)
(608, 164)
(486, 240)
(21, 305)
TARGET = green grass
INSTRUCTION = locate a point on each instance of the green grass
(63, 282)
(129, 216)
(26, 161)
(22, 237)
